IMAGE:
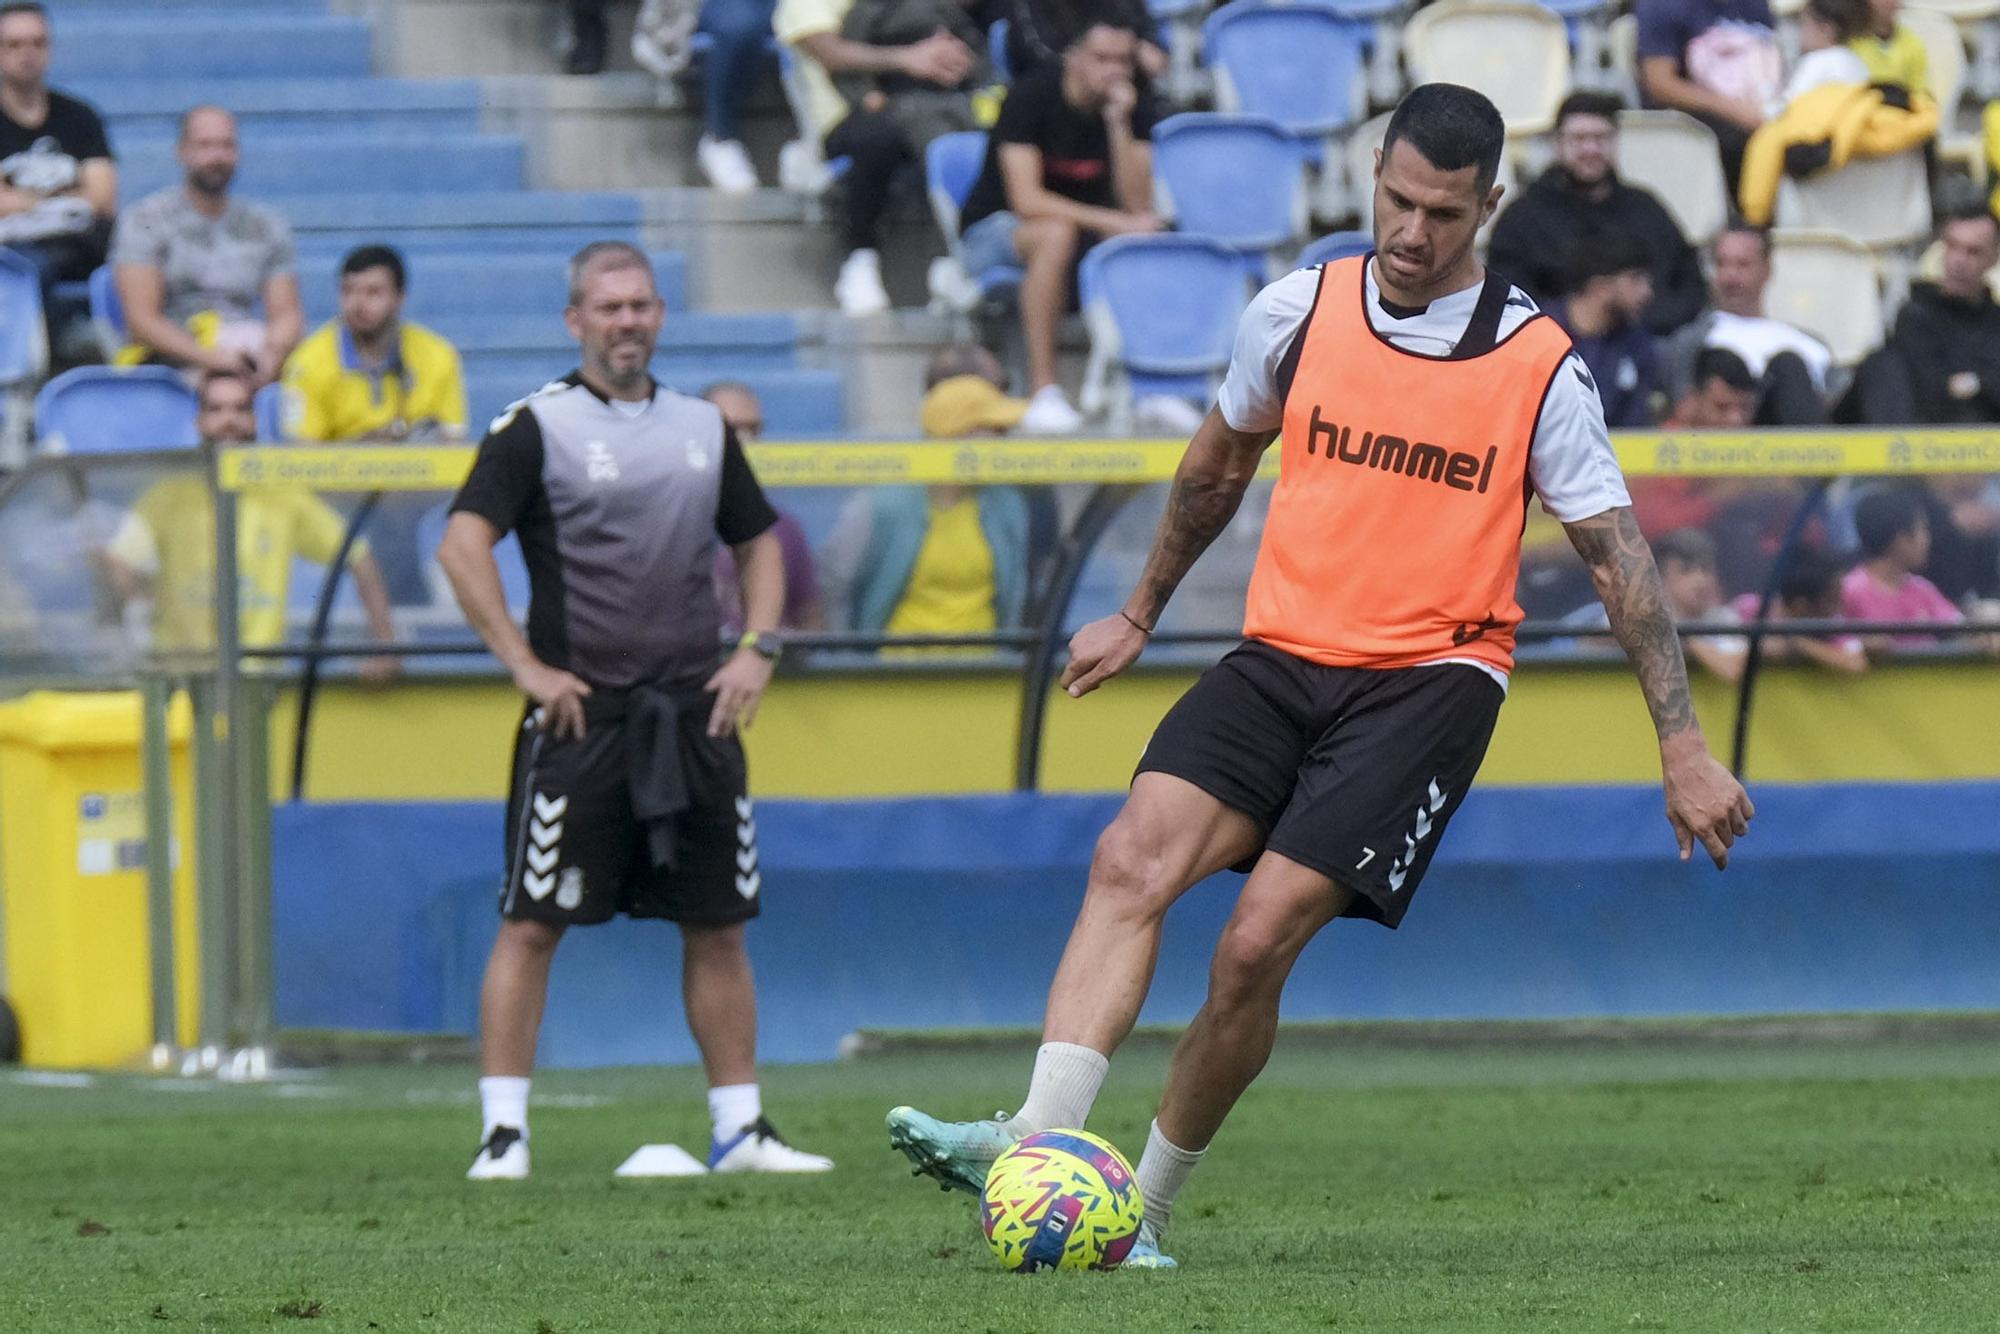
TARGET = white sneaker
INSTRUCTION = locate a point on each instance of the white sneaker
(503, 1157)
(759, 1149)
(859, 288)
(1049, 413)
(726, 165)
(1166, 414)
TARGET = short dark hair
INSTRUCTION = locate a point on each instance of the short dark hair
(1967, 210)
(375, 256)
(1453, 127)
(1719, 363)
(1847, 18)
(35, 7)
(1807, 574)
(604, 257)
(1607, 105)
(1740, 226)
(1605, 254)
(1101, 20)
(1688, 546)
(1884, 513)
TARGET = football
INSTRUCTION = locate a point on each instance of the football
(1061, 1199)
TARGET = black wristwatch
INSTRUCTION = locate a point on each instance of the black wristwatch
(764, 643)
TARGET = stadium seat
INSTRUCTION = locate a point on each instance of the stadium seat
(1944, 51)
(476, 283)
(1238, 179)
(328, 161)
(952, 163)
(549, 222)
(1298, 64)
(274, 107)
(1339, 245)
(996, 49)
(269, 405)
(1621, 40)
(1516, 54)
(1186, 81)
(107, 313)
(1676, 157)
(1882, 202)
(212, 43)
(98, 410)
(1830, 286)
(24, 352)
(1383, 21)
(1163, 310)
(506, 554)
(1979, 20)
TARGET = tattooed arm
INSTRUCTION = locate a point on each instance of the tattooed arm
(1208, 486)
(1705, 803)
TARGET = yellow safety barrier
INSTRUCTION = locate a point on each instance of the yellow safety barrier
(1795, 453)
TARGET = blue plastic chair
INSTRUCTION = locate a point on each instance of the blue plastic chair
(1164, 308)
(952, 164)
(506, 554)
(269, 405)
(996, 49)
(1298, 64)
(23, 342)
(107, 313)
(1238, 179)
(100, 410)
(1339, 245)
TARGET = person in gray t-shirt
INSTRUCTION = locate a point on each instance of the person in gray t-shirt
(207, 280)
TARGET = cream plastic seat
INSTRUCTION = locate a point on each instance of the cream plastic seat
(1516, 54)
(1676, 157)
(1830, 286)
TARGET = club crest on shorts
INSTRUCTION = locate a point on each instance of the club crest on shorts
(569, 888)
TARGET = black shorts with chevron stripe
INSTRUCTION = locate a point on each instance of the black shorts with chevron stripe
(577, 855)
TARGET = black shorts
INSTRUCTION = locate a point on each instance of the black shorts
(577, 855)
(1351, 771)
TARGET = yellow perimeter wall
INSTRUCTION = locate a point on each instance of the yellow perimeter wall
(913, 733)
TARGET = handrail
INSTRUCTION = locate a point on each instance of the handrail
(329, 588)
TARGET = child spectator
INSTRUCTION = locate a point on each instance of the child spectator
(1887, 585)
(1611, 286)
(1827, 31)
(1694, 594)
(1891, 53)
(1808, 590)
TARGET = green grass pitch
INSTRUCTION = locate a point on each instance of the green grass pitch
(1680, 1185)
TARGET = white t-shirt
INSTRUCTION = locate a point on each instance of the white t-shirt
(1758, 338)
(1570, 461)
(1829, 64)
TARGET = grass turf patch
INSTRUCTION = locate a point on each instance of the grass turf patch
(1670, 1186)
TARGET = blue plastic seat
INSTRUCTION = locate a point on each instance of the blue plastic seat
(323, 162)
(23, 346)
(996, 48)
(99, 410)
(1299, 64)
(212, 45)
(1238, 179)
(952, 164)
(461, 285)
(506, 554)
(1162, 308)
(1339, 245)
(269, 405)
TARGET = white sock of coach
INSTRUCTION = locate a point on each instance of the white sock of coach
(503, 1101)
(1163, 1170)
(1063, 1088)
(732, 1107)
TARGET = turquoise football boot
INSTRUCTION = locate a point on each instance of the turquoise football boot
(955, 1154)
(1145, 1252)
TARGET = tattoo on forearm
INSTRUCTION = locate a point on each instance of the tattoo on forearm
(1198, 509)
(1621, 565)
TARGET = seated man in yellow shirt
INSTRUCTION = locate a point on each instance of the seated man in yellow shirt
(1893, 53)
(165, 548)
(370, 374)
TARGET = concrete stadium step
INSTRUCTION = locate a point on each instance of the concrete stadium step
(797, 403)
(267, 107)
(311, 164)
(206, 45)
(501, 287)
(500, 222)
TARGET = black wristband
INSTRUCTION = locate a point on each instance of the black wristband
(1142, 629)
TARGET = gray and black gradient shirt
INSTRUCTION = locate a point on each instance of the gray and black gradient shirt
(618, 507)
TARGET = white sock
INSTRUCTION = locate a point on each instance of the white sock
(503, 1101)
(732, 1107)
(1064, 1086)
(1163, 1170)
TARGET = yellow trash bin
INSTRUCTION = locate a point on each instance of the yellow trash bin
(73, 878)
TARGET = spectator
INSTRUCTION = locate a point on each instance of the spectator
(1827, 31)
(1694, 594)
(1808, 590)
(1581, 197)
(1721, 397)
(58, 182)
(1039, 31)
(662, 44)
(195, 265)
(1717, 60)
(1891, 53)
(869, 135)
(1941, 364)
(590, 37)
(1070, 162)
(804, 608)
(1610, 288)
(1888, 584)
(164, 550)
(939, 559)
(370, 374)
(1789, 365)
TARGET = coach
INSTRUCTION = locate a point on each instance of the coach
(629, 786)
